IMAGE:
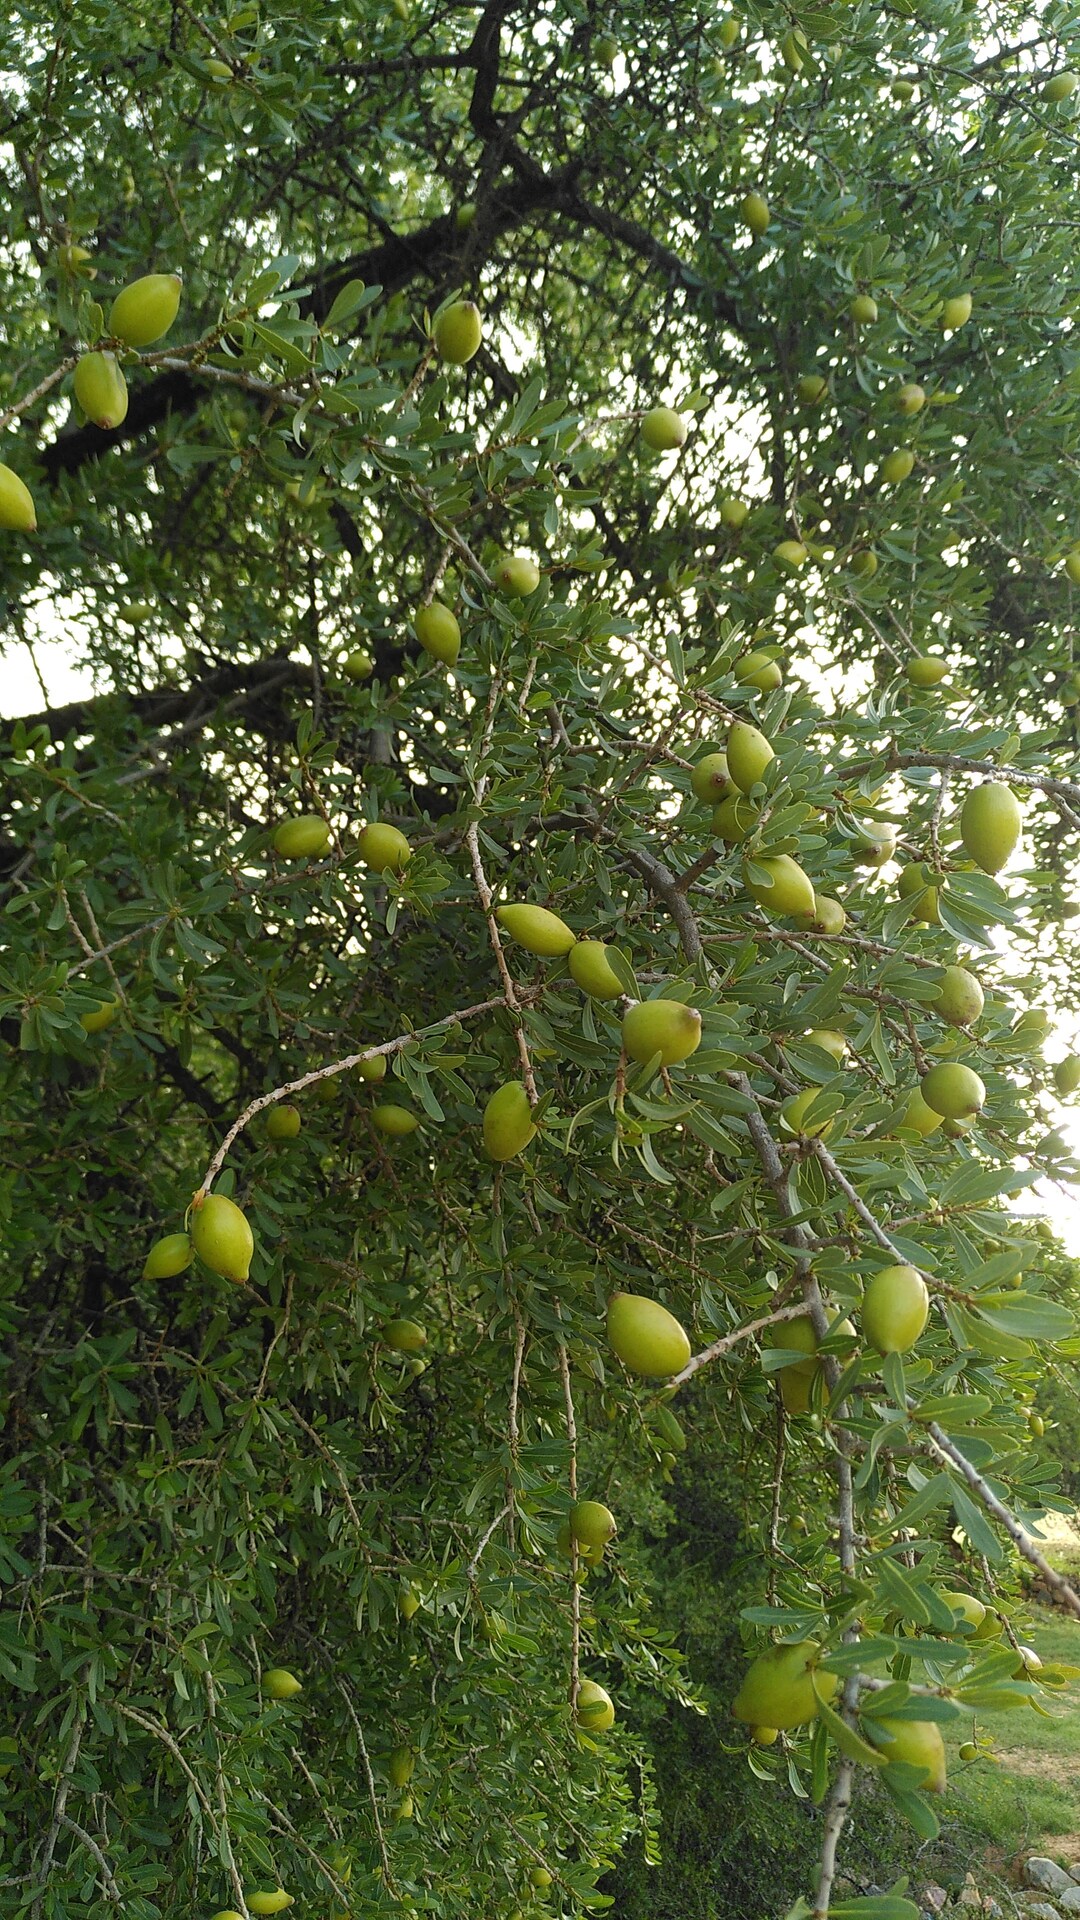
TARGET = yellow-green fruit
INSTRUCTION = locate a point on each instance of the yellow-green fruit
(918, 1744)
(540, 1878)
(990, 822)
(564, 1541)
(516, 575)
(101, 1018)
(536, 928)
(967, 1750)
(664, 1027)
(327, 1092)
(222, 1238)
(135, 612)
(960, 997)
(1029, 1663)
(911, 398)
(895, 1309)
(663, 429)
(645, 1336)
(227, 1913)
(101, 390)
(382, 846)
(971, 1611)
(734, 818)
(793, 1116)
(272, 1902)
(829, 1041)
(778, 1690)
(465, 217)
(897, 465)
(710, 779)
(400, 1766)
(438, 632)
(304, 838)
(145, 310)
(864, 564)
(828, 916)
(1067, 1074)
(280, 1684)
(788, 890)
(458, 332)
(1060, 86)
(989, 1628)
(748, 755)
(758, 670)
(219, 71)
(408, 1603)
(793, 49)
(791, 554)
(728, 31)
(926, 670)
(913, 883)
(812, 388)
(592, 1524)
(795, 1390)
(373, 1069)
(394, 1121)
(876, 844)
(283, 1122)
(919, 1118)
(594, 1709)
(508, 1121)
(404, 1336)
(1036, 1425)
(902, 90)
(169, 1256)
(734, 513)
(953, 1090)
(1072, 566)
(591, 970)
(17, 511)
(755, 212)
(864, 309)
(956, 312)
(764, 1736)
(72, 260)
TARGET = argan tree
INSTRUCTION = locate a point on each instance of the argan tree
(573, 517)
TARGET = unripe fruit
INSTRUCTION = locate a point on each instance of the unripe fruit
(913, 883)
(72, 260)
(408, 1603)
(748, 755)
(438, 632)
(764, 1736)
(588, 1556)
(864, 564)
(1072, 566)
(145, 310)
(795, 1390)
(594, 1709)
(540, 1877)
(956, 312)
(516, 575)
(791, 554)
(219, 71)
(755, 212)
(222, 1238)
(382, 846)
(591, 970)
(876, 845)
(508, 1121)
(758, 670)
(828, 916)
(971, 1611)
(663, 429)
(1067, 1074)
(465, 217)
(358, 665)
(895, 1309)
(168, 1256)
(953, 1090)
(926, 670)
(829, 1041)
(793, 1116)
(101, 390)
(812, 388)
(733, 513)
(373, 1069)
(897, 465)
(228, 1913)
(864, 309)
(919, 1118)
(918, 1744)
(967, 1750)
(902, 90)
(1060, 86)
(911, 398)
(728, 31)
(283, 1122)
(990, 822)
(645, 1336)
(793, 49)
(788, 889)
(777, 1689)
(664, 1027)
(710, 779)
(17, 511)
(404, 1336)
(457, 332)
(400, 1766)
(395, 1122)
(101, 1018)
(734, 818)
(960, 997)
(415, 1367)
(280, 1684)
(274, 1902)
(592, 1524)
(404, 1809)
(304, 838)
(536, 929)
(1036, 1425)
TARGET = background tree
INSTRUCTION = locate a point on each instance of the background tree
(852, 539)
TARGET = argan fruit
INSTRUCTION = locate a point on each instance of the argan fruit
(280, 1684)
(565, 1543)
(540, 1878)
(926, 670)
(274, 1902)
(970, 1611)
(645, 1336)
(457, 332)
(592, 1524)
(283, 1122)
(145, 310)
(594, 1709)
(221, 1237)
(304, 838)
(663, 429)
(101, 390)
(960, 997)
(953, 1090)
(1059, 87)
(728, 31)
(591, 970)
(1029, 1663)
(913, 883)
(758, 670)
(400, 1766)
(72, 260)
(828, 916)
(829, 1042)
(395, 1122)
(438, 632)
(373, 1069)
(508, 1121)
(1067, 1074)
(748, 754)
(404, 1336)
(755, 212)
(788, 889)
(328, 1092)
(465, 217)
(956, 312)
(170, 1255)
(812, 388)
(902, 90)
(227, 1913)
(990, 822)
(382, 846)
(664, 1027)
(1036, 1425)
(17, 511)
(864, 309)
(1072, 566)
(791, 555)
(967, 1750)
(777, 1689)
(793, 1116)
(863, 564)
(911, 398)
(536, 929)
(414, 1366)
(897, 465)
(734, 818)
(876, 843)
(895, 1309)
(918, 1117)
(710, 779)
(219, 71)
(793, 50)
(917, 1743)
(101, 1017)
(734, 513)
(517, 575)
